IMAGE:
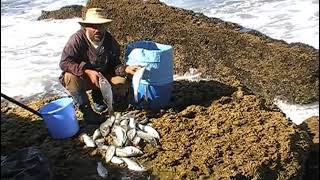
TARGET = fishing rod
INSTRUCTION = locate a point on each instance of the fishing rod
(21, 105)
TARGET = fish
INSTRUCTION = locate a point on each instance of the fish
(87, 140)
(109, 122)
(136, 140)
(99, 142)
(102, 171)
(144, 121)
(137, 76)
(127, 143)
(96, 134)
(132, 165)
(145, 136)
(128, 151)
(131, 134)
(124, 122)
(116, 160)
(118, 115)
(119, 136)
(105, 130)
(106, 91)
(110, 153)
(128, 115)
(132, 123)
(105, 127)
(150, 130)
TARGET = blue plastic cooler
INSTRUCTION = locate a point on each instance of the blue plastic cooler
(154, 90)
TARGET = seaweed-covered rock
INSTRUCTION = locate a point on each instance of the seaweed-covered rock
(311, 126)
(230, 139)
(63, 13)
(222, 50)
(225, 133)
(266, 66)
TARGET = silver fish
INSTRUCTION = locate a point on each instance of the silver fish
(136, 140)
(106, 90)
(132, 165)
(145, 136)
(119, 136)
(128, 151)
(102, 171)
(87, 140)
(131, 134)
(110, 153)
(144, 121)
(105, 130)
(128, 115)
(99, 142)
(117, 115)
(96, 134)
(132, 123)
(109, 122)
(150, 130)
(136, 81)
(124, 122)
(125, 127)
(116, 160)
(127, 143)
(105, 127)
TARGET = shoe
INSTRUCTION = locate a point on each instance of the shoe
(98, 104)
(89, 116)
(99, 107)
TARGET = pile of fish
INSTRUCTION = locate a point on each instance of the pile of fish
(127, 136)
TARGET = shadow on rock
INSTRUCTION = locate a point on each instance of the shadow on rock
(202, 93)
(311, 126)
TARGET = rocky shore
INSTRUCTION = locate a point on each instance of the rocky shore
(225, 128)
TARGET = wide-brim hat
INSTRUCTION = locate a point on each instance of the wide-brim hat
(94, 16)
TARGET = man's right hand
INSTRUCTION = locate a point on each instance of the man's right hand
(93, 76)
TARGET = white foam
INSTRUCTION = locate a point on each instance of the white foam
(191, 75)
(31, 54)
(289, 20)
(298, 113)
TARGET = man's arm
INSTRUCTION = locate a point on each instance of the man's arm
(70, 58)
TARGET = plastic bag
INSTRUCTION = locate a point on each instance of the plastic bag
(27, 164)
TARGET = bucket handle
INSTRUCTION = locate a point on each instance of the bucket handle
(21, 105)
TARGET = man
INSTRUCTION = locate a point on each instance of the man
(89, 51)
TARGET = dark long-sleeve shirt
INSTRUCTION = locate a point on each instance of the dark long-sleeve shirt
(79, 54)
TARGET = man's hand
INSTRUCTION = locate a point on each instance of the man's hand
(132, 69)
(93, 76)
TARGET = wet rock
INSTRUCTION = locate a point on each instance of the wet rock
(218, 49)
(63, 13)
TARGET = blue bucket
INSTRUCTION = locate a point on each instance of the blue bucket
(154, 90)
(60, 118)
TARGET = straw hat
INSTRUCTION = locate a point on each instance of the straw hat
(94, 16)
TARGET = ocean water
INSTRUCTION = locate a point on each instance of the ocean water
(31, 49)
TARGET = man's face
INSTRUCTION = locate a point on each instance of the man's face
(95, 32)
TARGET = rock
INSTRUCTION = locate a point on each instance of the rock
(311, 126)
(221, 50)
(266, 66)
(229, 140)
(230, 137)
(63, 13)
